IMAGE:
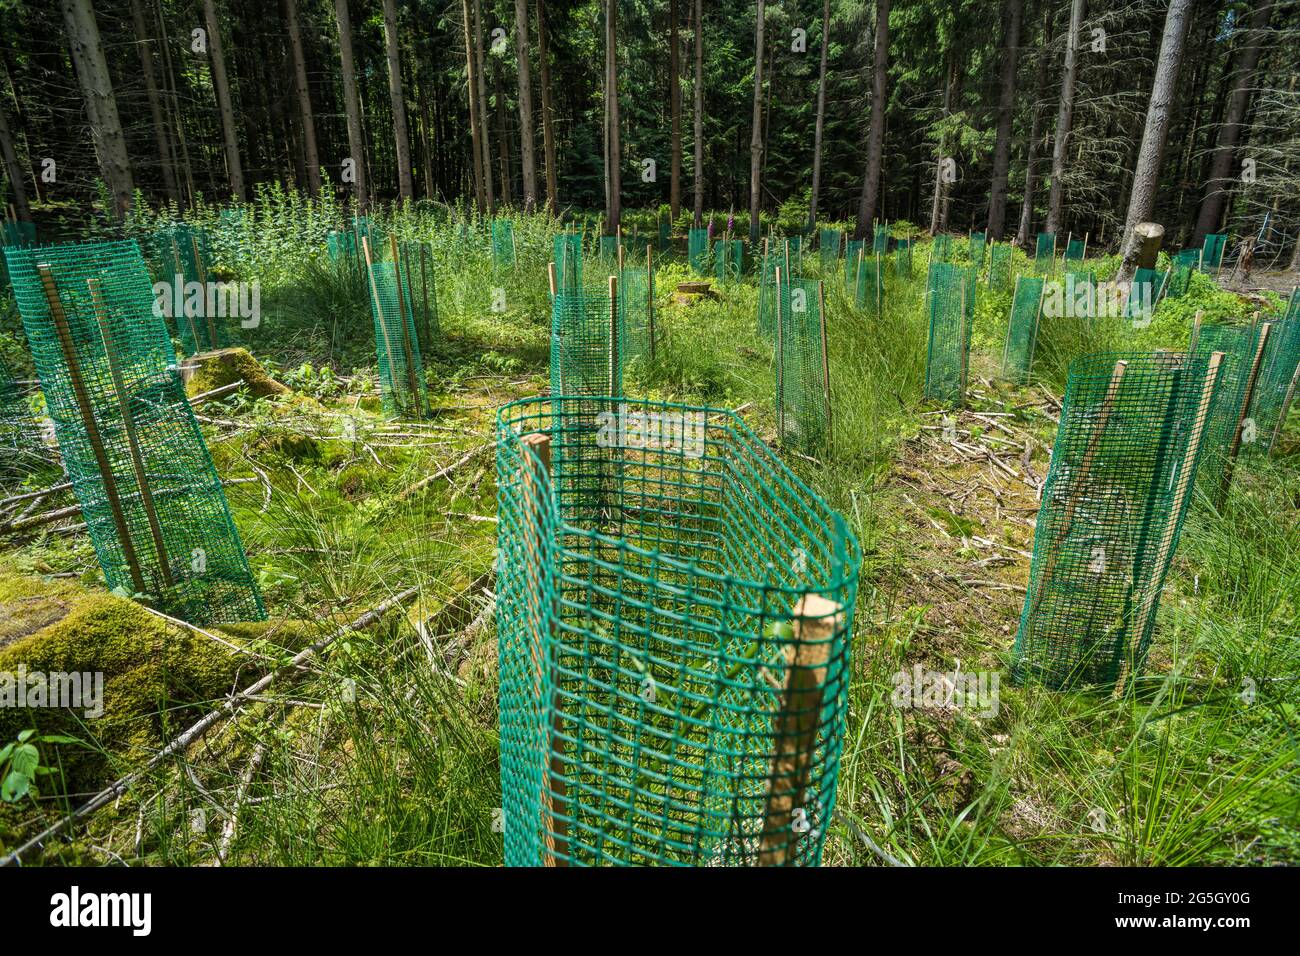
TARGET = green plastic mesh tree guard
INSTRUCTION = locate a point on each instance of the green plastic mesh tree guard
(503, 243)
(1240, 345)
(417, 268)
(767, 294)
(674, 616)
(697, 249)
(607, 251)
(1279, 380)
(941, 248)
(1188, 257)
(17, 233)
(999, 265)
(138, 464)
(853, 250)
(1073, 250)
(587, 345)
(903, 259)
(185, 261)
(341, 245)
(1180, 280)
(397, 345)
(951, 294)
(975, 249)
(1141, 301)
(880, 241)
(791, 248)
(21, 447)
(1117, 491)
(802, 391)
(828, 245)
(869, 289)
(567, 255)
(729, 259)
(636, 317)
(1045, 252)
(1212, 251)
(1022, 328)
(665, 236)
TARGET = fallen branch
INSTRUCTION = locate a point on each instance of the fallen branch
(245, 779)
(199, 729)
(444, 472)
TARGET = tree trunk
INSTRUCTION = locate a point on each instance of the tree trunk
(699, 114)
(1146, 174)
(1035, 132)
(548, 110)
(675, 101)
(1064, 116)
(161, 142)
(221, 86)
(101, 104)
(1217, 186)
(614, 149)
(352, 103)
(756, 134)
(821, 117)
(310, 151)
(485, 140)
(936, 202)
(525, 107)
(876, 130)
(503, 135)
(13, 171)
(405, 183)
(471, 86)
(1014, 10)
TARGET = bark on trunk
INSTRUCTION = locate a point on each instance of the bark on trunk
(221, 86)
(1035, 133)
(405, 184)
(1064, 116)
(876, 130)
(471, 87)
(13, 171)
(936, 202)
(311, 155)
(614, 150)
(1006, 107)
(699, 114)
(485, 140)
(821, 117)
(675, 105)
(525, 107)
(548, 130)
(756, 134)
(162, 142)
(352, 104)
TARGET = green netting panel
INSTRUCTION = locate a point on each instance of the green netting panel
(585, 358)
(903, 259)
(131, 447)
(1190, 258)
(941, 248)
(767, 295)
(802, 391)
(665, 236)
(567, 254)
(869, 289)
(1022, 328)
(397, 346)
(880, 241)
(1278, 381)
(1117, 491)
(1212, 251)
(1180, 280)
(729, 259)
(417, 267)
(1141, 300)
(503, 243)
(1239, 345)
(853, 250)
(1045, 252)
(999, 266)
(17, 233)
(342, 245)
(21, 447)
(951, 295)
(791, 250)
(607, 251)
(636, 318)
(661, 700)
(975, 248)
(1074, 250)
(828, 245)
(697, 249)
(184, 258)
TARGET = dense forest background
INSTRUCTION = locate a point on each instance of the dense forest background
(1045, 108)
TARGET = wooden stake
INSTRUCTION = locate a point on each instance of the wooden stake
(1196, 331)
(424, 289)
(92, 427)
(826, 366)
(614, 357)
(1183, 489)
(411, 375)
(550, 278)
(535, 487)
(1085, 245)
(379, 308)
(203, 284)
(1284, 410)
(128, 425)
(794, 727)
(179, 274)
(780, 365)
(1248, 395)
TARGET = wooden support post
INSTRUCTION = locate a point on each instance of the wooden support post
(1248, 395)
(535, 492)
(128, 425)
(550, 278)
(92, 427)
(1085, 246)
(379, 307)
(203, 284)
(826, 365)
(794, 727)
(1139, 621)
(1285, 409)
(1196, 331)
(780, 365)
(614, 357)
(412, 376)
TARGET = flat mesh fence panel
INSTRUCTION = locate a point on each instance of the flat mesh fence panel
(397, 346)
(853, 250)
(1045, 252)
(184, 256)
(869, 290)
(791, 248)
(729, 259)
(951, 298)
(583, 360)
(1117, 492)
(665, 236)
(417, 267)
(1188, 257)
(503, 243)
(1238, 343)
(137, 461)
(17, 233)
(903, 259)
(802, 396)
(941, 248)
(697, 249)
(1212, 251)
(828, 246)
(880, 241)
(634, 314)
(607, 251)
(1074, 250)
(999, 266)
(1179, 281)
(567, 253)
(767, 295)
(1142, 295)
(1278, 382)
(975, 248)
(1022, 328)
(660, 702)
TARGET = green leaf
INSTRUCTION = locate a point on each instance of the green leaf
(14, 787)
